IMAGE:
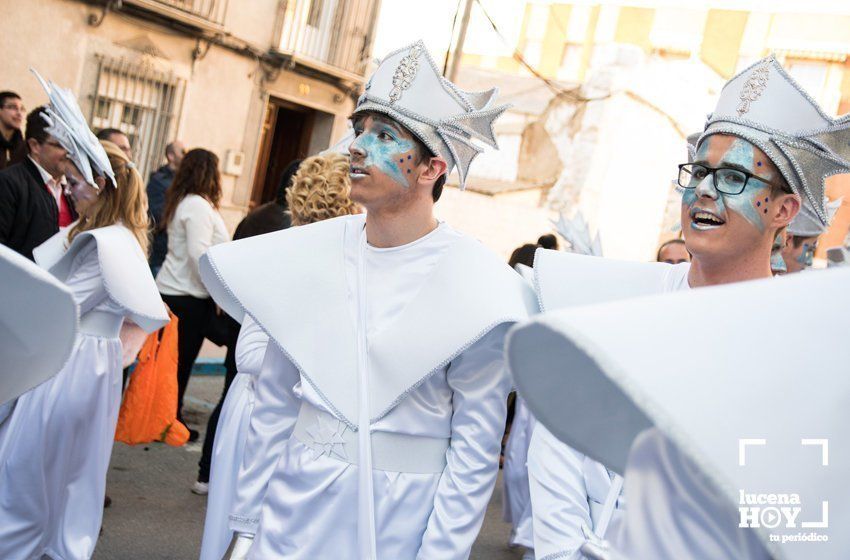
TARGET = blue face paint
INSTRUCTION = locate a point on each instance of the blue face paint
(752, 203)
(777, 263)
(387, 152)
(807, 255)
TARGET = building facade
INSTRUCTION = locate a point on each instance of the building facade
(257, 82)
(623, 82)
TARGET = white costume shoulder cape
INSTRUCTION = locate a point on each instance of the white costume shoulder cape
(634, 364)
(125, 270)
(292, 283)
(38, 325)
(563, 279)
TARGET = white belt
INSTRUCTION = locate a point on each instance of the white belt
(325, 434)
(101, 323)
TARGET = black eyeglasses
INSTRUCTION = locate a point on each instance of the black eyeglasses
(53, 144)
(727, 180)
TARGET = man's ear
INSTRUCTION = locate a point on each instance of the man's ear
(34, 146)
(789, 206)
(436, 166)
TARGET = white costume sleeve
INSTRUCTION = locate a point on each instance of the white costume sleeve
(559, 504)
(675, 510)
(250, 347)
(275, 411)
(480, 386)
(85, 279)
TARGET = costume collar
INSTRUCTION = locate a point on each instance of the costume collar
(123, 266)
(293, 285)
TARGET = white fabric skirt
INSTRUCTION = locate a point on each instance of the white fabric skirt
(227, 455)
(54, 455)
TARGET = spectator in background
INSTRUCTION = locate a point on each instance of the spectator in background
(158, 185)
(12, 146)
(119, 139)
(33, 205)
(548, 241)
(673, 251)
(524, 254)
(269, 217)
(193, 224)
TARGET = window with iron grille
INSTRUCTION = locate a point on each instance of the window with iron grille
(141, 101)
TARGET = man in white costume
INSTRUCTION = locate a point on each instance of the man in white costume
(800, 241)
(517, 507)
(736, 199)
(703, 446)
(377, 422)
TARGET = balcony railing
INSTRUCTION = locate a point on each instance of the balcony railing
(333, 36)
(197, 13)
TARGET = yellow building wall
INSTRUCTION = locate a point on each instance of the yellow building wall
(837, 186)
(523, 34)
(844, 105)
(721, 40)
(634, 26)
(589, 39)
(552, 50)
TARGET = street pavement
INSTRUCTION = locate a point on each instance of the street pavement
(154, 516)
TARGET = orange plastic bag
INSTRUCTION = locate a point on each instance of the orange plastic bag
(149, 410)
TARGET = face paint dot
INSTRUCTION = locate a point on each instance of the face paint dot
(408, 170)
(758, 203)
(409, 156)
(767, 199)
(401, 160)
(765, 210)
(759, 164)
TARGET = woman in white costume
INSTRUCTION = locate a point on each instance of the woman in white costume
(55, 447)
(320, 190)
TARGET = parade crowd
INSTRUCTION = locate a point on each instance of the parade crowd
(382, 366)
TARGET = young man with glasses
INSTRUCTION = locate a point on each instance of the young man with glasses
(12, 113)
(33, 205)
(765, 152)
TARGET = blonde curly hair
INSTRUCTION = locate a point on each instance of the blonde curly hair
(320, 190)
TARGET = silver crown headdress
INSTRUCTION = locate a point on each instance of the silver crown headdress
(577, 233)
(808, 224)
(765, 106)
(408, 87)
(66, 123)
(692, 141)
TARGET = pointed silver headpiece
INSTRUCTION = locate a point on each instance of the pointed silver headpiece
(66, 123)
(408, 87)
(577, 233)
(765, 106)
